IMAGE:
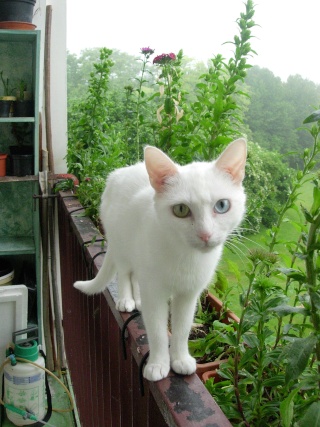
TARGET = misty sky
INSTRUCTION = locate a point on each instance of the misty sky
(287, 41)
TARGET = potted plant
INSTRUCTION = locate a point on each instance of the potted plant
(24, 106)
(16, 14)
(6, 101)
(211, 337)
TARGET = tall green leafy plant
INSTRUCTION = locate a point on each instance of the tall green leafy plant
(94, 147)
(274, 377)
(215, 118)
(170, 110)
(137, 108)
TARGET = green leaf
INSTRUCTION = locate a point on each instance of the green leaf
(284, 310)
(286, 409)
(298, 354)
(316, 201)
(308, 216)
(247, 357)
(274, 381)
(315, 297)
(311, 416)
(314, 117)
(294, 274)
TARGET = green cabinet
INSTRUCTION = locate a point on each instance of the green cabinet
(19, 209)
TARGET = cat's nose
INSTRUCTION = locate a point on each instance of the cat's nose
(205, 237)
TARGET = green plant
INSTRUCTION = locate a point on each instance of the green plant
(215, 118)
(140, 101)
(273, 378)
(89, 127)
(94, 147)
(6, 85)
(22, 88)
(23, 133)
(170, 97)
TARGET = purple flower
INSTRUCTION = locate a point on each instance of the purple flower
(147, 51)
(164, 58)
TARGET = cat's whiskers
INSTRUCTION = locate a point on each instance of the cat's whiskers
(235, 249)
(235, 239)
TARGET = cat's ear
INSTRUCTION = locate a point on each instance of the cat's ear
(159, 167)
(233, 159)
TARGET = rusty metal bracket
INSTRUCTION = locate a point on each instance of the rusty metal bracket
(135, 314)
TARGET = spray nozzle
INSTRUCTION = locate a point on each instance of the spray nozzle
(12, 358)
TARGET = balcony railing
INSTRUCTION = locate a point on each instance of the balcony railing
(109, 389)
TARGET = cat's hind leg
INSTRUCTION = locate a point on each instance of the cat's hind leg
(125, 300)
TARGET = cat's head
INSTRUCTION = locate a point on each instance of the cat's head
(200, 203)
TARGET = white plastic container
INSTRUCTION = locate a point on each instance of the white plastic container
(24, 385)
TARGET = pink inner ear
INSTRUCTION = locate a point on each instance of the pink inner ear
(159, 167)
(233, 160)
(159, 176)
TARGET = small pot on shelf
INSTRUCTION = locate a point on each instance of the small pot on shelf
(16, 11)
(7, 106)
(24, 108)
(3, 164)
(22, 159)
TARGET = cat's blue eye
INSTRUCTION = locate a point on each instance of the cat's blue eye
(222, 206)
(181, 210)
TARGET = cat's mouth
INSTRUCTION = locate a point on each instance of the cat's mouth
(206, 246)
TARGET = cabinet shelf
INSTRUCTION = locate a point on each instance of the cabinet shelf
(16, 245)
(19, 211)
(17, 120)
(19, 178)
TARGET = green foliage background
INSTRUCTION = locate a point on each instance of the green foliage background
(116, 102)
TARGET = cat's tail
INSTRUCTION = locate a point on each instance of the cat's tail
(102, 279)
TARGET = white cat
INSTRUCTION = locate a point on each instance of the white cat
(166, 225)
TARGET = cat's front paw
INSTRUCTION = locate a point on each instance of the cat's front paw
(125, 304)
(156, 371)
(138, 304)
(184, 366)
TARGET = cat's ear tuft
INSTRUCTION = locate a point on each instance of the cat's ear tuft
(159, 167)
(233, 159)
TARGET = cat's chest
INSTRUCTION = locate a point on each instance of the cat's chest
(179, 271)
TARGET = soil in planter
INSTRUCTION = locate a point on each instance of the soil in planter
(201, 330)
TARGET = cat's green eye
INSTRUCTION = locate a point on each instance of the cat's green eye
(181, 210)
(222, 206)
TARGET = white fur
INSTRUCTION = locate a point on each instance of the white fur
(163, 257)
